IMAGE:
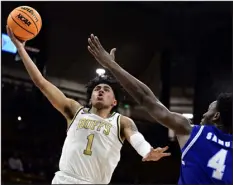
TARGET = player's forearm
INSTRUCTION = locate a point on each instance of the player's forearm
(31, 68)
(138, 90)
(140, 144)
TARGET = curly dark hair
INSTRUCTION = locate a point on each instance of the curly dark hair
(224, 106)
(104, 79)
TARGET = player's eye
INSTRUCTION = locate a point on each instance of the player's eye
(107, 89)
(97, 88)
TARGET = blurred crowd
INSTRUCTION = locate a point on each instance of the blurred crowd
(30, 149)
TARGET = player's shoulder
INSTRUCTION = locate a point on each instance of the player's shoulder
(200, 126)
(196, 128)
(200, 129)
(204, 127)
(197, 131)
(188, 140)
(125, 119)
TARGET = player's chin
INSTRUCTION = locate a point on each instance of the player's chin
(202, 121)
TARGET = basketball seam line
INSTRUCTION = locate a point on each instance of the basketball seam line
(30, 18)
(21, 26)
(21, 38)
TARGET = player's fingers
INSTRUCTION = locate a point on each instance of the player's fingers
(164, 149)
(9, 33)
(91, 51)
(93, 47)
(98, 42)
(165, 154)
(157, 149)
(112, 53)
(7, 30)
(94, 41)
(12, 34)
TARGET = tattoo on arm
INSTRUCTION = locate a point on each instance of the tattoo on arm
(131, 125)
(128, 128)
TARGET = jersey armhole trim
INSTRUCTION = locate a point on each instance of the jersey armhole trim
(75, 115)
(192, 142)
(119, 129)
(112, 114)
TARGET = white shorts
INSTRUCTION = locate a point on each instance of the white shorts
(63, 178)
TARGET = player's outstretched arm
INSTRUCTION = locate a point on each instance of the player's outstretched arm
(130, 132)
(66, 106)
(139, 91)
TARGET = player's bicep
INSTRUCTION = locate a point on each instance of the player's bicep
(162, 115)
(128, 127)
(178, 123)
(65, 105)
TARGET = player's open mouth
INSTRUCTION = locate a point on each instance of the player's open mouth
(100, 98)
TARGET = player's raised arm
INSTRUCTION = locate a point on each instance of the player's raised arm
(130, 132)
(139, 91)
(66, 106)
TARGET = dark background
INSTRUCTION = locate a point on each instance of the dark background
(179, 49)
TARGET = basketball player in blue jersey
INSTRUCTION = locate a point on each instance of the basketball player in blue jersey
(95, 135)
(206, 148)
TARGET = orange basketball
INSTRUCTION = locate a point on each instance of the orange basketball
(25, 22)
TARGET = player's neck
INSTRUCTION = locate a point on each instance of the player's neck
(224, 129)
(103, 113)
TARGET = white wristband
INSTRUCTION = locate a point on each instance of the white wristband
(140, 144)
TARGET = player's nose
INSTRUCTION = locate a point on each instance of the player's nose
(101, 92)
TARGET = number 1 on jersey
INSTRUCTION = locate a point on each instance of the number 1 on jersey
(90, 139)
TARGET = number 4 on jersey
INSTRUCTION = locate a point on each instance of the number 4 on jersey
(217, 162)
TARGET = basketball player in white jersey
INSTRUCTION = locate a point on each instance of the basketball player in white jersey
(94, 139)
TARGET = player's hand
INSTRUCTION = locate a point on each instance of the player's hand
(156, 154)
(16, 41)
(100, 54)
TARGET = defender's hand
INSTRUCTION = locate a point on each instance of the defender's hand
(156, 154)
(100, 54)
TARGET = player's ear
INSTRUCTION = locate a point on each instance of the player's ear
(114, 103)
(216, 116)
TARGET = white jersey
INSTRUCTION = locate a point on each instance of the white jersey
(92, 147)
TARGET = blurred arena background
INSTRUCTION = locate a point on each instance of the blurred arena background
(182, 50)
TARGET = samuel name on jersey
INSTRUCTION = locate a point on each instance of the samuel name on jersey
(212, 137)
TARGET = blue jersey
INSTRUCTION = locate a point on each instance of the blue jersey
(207, 157)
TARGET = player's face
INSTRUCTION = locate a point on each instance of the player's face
(103, 97)
(211, 116)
